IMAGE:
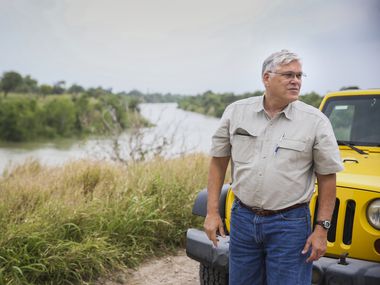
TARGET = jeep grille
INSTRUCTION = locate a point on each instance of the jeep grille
(346, 227)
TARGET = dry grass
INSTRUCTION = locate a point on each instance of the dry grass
(70, 224)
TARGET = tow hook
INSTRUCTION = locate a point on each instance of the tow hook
(342, 258)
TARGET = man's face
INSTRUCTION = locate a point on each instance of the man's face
(283, 83)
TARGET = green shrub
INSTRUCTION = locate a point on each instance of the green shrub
(59, 115)
(17, 119)
(25, 118)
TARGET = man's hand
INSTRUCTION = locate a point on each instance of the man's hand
(326, 202)
(318, 243)
(213, 223)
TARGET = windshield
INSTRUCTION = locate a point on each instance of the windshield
(355, 120)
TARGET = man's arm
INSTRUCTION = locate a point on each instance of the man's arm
(326, 203)
(213, 221)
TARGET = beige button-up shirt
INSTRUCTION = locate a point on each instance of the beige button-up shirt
(274, 160)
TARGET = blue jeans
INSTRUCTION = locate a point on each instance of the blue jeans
(266, 250)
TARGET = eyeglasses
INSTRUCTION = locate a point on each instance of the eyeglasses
(290, 75)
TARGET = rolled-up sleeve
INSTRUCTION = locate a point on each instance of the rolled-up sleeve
(220, 145)
(326, 153)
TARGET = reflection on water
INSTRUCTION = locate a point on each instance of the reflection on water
(185, 131)
(63, 144)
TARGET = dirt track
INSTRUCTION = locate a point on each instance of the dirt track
(170, 270)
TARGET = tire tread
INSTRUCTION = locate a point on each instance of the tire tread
(212, 276)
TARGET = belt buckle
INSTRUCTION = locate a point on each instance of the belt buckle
(260, 212)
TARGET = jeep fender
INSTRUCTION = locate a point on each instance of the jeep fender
(200, 204)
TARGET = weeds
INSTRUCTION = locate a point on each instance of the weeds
(72, 224)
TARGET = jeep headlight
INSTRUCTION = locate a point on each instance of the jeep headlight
(373, 213)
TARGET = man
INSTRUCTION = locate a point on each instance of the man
(277, 146)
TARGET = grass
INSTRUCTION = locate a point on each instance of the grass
(74, 223)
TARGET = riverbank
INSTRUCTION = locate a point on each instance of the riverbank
(76, 222)
(181, 131)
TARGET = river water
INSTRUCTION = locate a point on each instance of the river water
(175, 132)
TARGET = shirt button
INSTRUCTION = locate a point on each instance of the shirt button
(264, 157)
(260, 174)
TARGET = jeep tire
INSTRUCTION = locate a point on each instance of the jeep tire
(212, 276)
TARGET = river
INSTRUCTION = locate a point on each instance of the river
(175, 132)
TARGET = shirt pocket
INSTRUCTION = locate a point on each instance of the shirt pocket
(296, 145)
(244, 146)
(288, 153)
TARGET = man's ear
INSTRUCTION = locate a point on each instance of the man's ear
(266, 77)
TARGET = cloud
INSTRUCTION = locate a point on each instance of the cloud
(189, 46)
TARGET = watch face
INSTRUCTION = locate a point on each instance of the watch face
(326, 224)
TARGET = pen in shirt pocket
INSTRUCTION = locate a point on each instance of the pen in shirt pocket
(278, 144)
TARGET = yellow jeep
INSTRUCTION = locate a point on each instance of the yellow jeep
(353, 253)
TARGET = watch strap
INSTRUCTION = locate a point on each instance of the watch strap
(324, 224)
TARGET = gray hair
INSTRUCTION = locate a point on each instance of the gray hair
(279, 58)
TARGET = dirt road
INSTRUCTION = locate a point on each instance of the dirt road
(170, 270)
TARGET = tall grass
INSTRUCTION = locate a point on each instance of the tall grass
(74, 223)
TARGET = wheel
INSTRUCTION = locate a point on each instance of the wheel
(212, 276)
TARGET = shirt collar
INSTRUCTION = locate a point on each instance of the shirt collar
(259, 107)
(288, 111)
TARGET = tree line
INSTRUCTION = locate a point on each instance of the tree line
(209, 102)
(14, 82)
(213, 104)
(29, 111)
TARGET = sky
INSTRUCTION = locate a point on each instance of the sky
(189, 46)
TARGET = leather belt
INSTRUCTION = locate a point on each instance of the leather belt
(263, 212)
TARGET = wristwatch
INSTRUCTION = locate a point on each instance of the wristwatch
(324, 224)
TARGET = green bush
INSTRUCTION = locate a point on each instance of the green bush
(24, 118)
(59, 115)
(18, 118)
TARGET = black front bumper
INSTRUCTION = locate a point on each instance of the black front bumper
(325, 271)
(200, 248)
(355, 272)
